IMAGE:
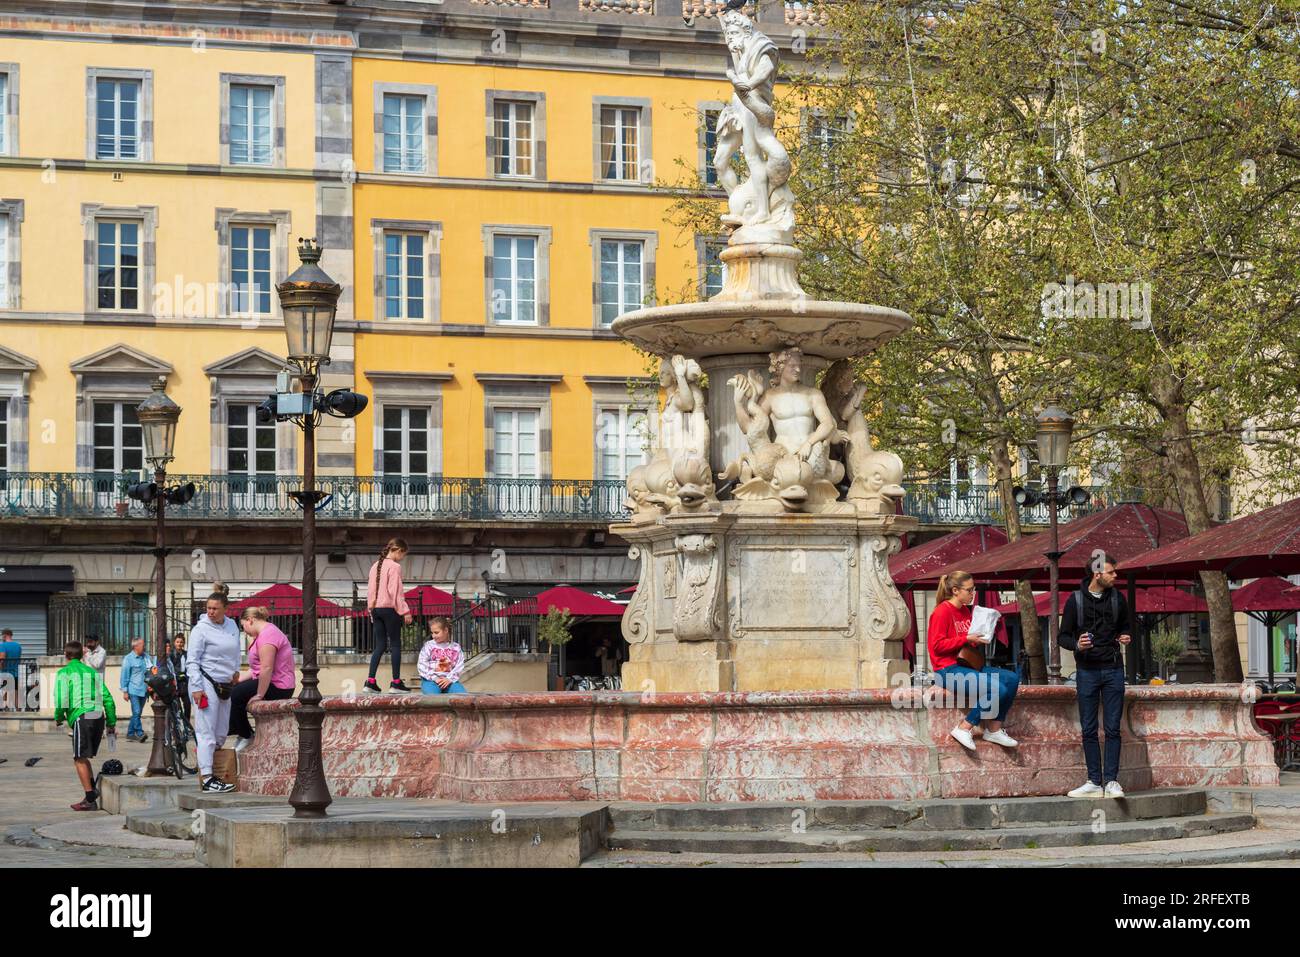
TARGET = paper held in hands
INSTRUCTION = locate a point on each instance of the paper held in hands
(983, 624)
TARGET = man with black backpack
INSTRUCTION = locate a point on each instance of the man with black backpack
(1095, 624)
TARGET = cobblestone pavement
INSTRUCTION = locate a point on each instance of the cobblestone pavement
(35, 797)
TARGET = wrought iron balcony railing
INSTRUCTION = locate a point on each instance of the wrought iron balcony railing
(90, 495)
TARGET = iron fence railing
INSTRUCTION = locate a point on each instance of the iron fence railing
(481, 624)
(378, 498)
(965, 503)
(347, 497)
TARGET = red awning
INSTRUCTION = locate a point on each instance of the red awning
(1163, 600)
(1121, 531)
(951, 549)
(428, 600)
(1266, 594)
(573, 600)
(287, 600)
(1254, 546)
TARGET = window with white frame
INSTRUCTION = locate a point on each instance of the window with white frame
(404, 279)
(4, 435)
(514, 279)
(512, 138)
(621, 439)
(118, 439)
(515, 441)
(826, 132)
(715, 270)
(710, 146)
(620, 143)
(251, 446)
(117, 265)
(403, 133)
(405, 441)
(250, 270)
(117, 119)
(4, 260)
(251, 125)
(622, 278)
(4, 113)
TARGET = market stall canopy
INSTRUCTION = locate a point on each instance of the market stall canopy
(287, 600)
(1265, 595)
(1164, 600)
(1254, 546)
(917, 562)
(428, 600)
(1120, 531)
(577, 602)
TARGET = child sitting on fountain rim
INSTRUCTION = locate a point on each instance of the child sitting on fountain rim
(441, 660)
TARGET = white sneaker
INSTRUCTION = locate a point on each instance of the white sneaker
(1087, 790)
(242, 743)
(1002, 738)
(963, 737)
(1113, 790)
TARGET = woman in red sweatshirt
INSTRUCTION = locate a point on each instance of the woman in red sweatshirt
(992, 689)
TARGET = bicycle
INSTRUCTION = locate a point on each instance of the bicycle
(177, 732)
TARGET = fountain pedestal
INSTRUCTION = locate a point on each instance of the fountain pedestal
(750, 597)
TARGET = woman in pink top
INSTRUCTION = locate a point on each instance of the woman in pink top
(270, 675)
(388, 610)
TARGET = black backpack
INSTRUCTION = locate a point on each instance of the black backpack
(1108, 653)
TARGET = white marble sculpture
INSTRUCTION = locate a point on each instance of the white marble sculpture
(761, 209)
(875, 476)
(677, 477)
(790, 430)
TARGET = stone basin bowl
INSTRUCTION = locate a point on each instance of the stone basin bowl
(831, 330)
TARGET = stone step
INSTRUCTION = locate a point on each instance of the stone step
(900, 839)
(192, 800)
(939, 815)
(1182, 852)
(177, 825)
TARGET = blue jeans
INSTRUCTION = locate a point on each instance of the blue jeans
(992, 689)
(1103, 687)
(137, 707)
(431, 687)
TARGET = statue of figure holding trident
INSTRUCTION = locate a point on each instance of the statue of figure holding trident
(763, 206)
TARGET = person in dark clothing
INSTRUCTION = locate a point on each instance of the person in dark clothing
(1096, 623)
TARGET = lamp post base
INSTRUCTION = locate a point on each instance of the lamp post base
(158, 764)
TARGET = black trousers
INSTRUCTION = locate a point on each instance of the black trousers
(183, 689)
(239, 698)
(388, 636)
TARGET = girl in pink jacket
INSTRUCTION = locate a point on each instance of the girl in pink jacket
(388, 609)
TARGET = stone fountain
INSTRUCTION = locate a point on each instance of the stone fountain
(764, 520)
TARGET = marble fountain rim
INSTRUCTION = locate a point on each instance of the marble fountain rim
(805, 321)
(714, 700)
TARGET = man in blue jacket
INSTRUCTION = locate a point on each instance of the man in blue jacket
(134, 668)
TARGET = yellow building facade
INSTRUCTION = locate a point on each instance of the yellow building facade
(486, 180)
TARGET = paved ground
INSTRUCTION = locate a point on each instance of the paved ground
(38, 829)
(36, 822)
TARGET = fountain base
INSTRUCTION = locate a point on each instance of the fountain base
(752, 597)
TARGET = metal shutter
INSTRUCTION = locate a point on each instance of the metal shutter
(28, 624)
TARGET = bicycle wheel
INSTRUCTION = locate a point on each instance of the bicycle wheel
(181, 735)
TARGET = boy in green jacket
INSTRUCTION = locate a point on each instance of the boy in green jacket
(82, 699)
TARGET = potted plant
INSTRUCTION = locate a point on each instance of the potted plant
(123, 504)
(1166, 645)
(553, 628)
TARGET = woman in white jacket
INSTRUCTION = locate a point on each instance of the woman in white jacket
(212, 659)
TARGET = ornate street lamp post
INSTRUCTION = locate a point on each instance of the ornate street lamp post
(308, 300)
(1054, 428)
(1053, 437)
(158, 416)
